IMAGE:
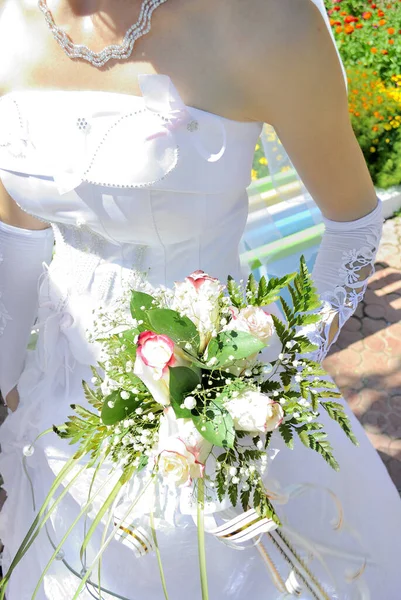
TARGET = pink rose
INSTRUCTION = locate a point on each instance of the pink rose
(198, 297)
(155, 354)
(156, 351)
(198, 278)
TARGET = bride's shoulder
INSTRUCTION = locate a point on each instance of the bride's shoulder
(279, 23)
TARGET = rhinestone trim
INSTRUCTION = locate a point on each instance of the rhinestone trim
(86, 173)
(116, 51)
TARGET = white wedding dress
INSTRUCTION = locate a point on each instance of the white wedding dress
(147, 184)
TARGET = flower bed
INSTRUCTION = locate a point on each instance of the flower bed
(368, 35)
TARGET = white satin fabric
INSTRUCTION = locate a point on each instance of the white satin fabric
(149, 184)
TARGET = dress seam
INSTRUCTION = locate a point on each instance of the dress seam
(156, 229)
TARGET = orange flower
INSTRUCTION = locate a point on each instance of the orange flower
(339, 29)
(382, 22)
(391, 42)
(332, 22)
(367, 15)
(384, 51)
(375, 128)
(380, 13)
(374, 50)
(343, 13)
(391, 31)
(349, 29)
(359, 25)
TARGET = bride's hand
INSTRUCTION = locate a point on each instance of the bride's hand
(12, 400)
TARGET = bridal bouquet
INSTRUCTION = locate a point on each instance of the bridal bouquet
(184, 400)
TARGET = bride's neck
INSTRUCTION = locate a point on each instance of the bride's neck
(84, 8)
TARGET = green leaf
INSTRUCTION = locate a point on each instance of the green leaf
(237, 344)
(244, 496)
(273, 288)
(221, 485)
(323, 383)
(252, 288)
(268, 439)
(233, 494)
(183, 381)
(143, 462)
(88, 416)
(280, 329)
(169, 322)
(287, 310)
(235, 293)
(140, 304)
(336, 411)
(308, 319)
(304, 344)
(128, 337)
(217, 425)
(318, 443)
(119, 409)
(263, 289)
(287, 434)
(91, 396)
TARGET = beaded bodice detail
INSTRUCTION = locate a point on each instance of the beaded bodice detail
(129, 184)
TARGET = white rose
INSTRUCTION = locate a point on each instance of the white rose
(254, 412)
(198, 298)
(178, 464)
(184, 430)
(253, 320)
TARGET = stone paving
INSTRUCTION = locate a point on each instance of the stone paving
(366, 360)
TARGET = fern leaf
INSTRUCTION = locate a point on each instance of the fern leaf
(286, 431)
(235, 293)
(336, 411)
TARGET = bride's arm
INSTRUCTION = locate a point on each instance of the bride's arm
(301, 92)
(25, 244)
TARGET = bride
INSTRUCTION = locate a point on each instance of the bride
(137, 159)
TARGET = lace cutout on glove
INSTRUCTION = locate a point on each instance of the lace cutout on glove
(341, 303)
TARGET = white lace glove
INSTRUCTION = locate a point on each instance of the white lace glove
(344, 263)
(22, 254)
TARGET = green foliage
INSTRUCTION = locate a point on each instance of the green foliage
(336, 411)
(216, 425)
(312, 386)
(183, 381)
(286, 430)
(269, 292)
(245, 497)
(235, 344)
(140, 304)
(115, 409)
(262, 504)
(375, 107)
(169, 322)
(235, 293)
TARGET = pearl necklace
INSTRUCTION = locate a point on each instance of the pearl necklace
(116, 51)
